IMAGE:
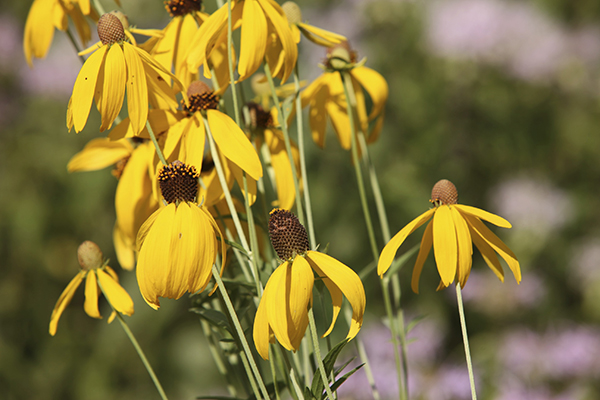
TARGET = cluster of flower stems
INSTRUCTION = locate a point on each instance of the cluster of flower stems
(236, 226)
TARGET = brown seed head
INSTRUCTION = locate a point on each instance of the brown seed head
(259, 118)
(287, 234)
(110, 29)
(177, 8)
(89, 256)
(201, 97)
(292, 12)
(443, 193)
(178, 182)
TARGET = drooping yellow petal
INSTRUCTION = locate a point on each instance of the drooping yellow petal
(124, 248)
(39, 30)
(133, 200)
(64, 300)
(498, 245)
(335, 293)
(84, 89)
(347, 281)
(389, 251)
(208, 32)
(375, 85)
(262, 331)
(137, 89)
(91, 295)
(317, 94)
(291, 297)
(484, 215)
(424, 249)
(113, 91)
(253, 39)
(99, 153)
(175, 134)
(210, 239)
(233, 143)
(280, 162)
(300, 298)
(465, 246)
(118, 298)
(445, 246)
(488, 254)
(154, 254)
(279, 22)
(153, 64)
(193, 140)
(320, 36)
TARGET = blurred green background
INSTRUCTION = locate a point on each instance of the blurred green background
(501, 97)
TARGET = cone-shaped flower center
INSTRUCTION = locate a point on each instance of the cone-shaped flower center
(178, 8)
(89, 256)
(178, 182)
(259, 118)
(201, 97)
(110, 29)
(292, 12)
(340, 56)
(443, 193)
(287, 234)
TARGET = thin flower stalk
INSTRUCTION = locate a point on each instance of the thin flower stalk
(236, 108)
(315, 340)
(241, 335)
(159, 152)
(303, 173)
(217, 355)
(463, 326)
(229, 200)
(351, 106)
(288, 144)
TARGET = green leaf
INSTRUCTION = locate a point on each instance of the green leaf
(318, 386)
(339, 382)
(213, 317)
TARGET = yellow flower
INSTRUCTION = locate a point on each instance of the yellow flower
(325, 98)
(451, 232)
(134, 201)
(263, 125)
(117, 65)
(170, 48)
(283, 308)
(266, 35)
(95, 272)
(178, 243)
(312, 33)
(45, 15)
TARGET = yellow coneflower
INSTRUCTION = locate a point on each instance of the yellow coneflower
(283, 308)
(96, 273)
(452, 230)
(178, 243)
(325, 98)
(114, 66)
(266, 36)
(46, 15)
(316, 35)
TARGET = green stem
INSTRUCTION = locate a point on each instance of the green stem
(315, 340)
(75, 45)
(136, 345)
(253, 238)
(222, 364)
(236, 109)
(303, 174)
(288, 145)
(98, 7)
(155, 142)
(140, 352)
(228, 199)
(465, 336)
(401, 368)
(240, 332)
(351, 107)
